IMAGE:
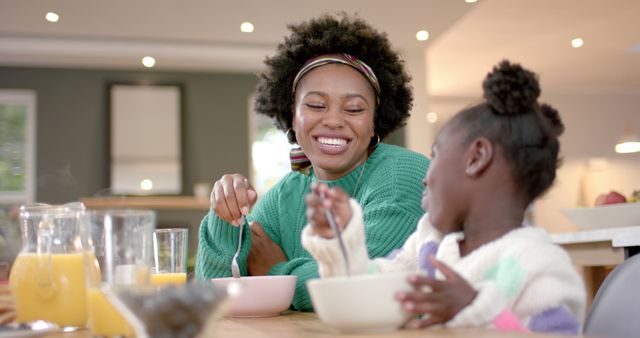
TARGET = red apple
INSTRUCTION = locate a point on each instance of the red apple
(614, 197)
(600, 200)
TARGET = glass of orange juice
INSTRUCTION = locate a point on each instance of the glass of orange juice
(122, 246)
(170, 256)
(48, 276)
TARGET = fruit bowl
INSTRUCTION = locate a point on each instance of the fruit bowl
(605, 216)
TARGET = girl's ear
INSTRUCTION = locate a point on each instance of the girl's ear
(480, 156)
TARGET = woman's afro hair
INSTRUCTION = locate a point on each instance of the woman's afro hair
(335, 34)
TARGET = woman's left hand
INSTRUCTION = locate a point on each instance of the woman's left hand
(264, 253)
(442, 303)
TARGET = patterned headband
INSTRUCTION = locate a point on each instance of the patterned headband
(342, 58)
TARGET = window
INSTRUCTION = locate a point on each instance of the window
(17, 143)
(17, 164)
(269, 151)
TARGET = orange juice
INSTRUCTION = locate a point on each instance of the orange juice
(51, 288)
(104, 319)
(174, 278)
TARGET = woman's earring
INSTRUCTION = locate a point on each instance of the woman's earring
(374, 145)
(291, 136)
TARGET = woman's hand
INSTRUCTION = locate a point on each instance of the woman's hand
(232, 197)
(264, 253)
(319, 200)
(442, 303)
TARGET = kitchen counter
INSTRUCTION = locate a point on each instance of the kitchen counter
(597, 251)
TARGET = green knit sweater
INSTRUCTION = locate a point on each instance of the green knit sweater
(389, 191)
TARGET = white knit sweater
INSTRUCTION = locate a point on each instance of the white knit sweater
(524, 281)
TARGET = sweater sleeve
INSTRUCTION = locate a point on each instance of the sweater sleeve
(528, 292)
(329, 256)
(218, 241)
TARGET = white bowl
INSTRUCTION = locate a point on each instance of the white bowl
(364, 303)
(605, 216)
(257, 296)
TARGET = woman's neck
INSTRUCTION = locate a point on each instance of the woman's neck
(325, 175)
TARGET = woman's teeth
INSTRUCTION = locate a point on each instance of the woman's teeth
(332, 141)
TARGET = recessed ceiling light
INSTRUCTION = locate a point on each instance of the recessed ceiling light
(246, 27)
(470, 1)
(52, 17)
(422, 35)
(577, 43)
(148, 61)
(432, 117)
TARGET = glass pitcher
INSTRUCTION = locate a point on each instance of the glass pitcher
(48, 275)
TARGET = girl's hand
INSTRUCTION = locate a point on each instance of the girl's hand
(442, 303)
(232, 197)
(319, 200)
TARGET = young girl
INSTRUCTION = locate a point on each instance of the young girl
(482, 265)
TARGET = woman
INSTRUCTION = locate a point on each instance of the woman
(337, 89)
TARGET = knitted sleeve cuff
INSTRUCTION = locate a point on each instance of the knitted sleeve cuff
(278, 269)
(327, 251)
(218, 241)
(482, 311)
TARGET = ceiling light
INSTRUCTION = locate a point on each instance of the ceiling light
(577, 42)
(148, 61)
(630, 141)
(432, 117)
(422, 35)
(470, 1)
(246, 27)
(52, 17)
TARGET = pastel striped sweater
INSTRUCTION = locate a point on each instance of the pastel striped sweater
(390, 190)
(524, 281)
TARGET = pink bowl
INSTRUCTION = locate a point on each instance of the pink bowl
(257, 296)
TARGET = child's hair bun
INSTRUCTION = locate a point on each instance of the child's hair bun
(510, 89)
(552, 115)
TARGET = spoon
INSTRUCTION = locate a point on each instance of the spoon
(336, 231)
(235, 269)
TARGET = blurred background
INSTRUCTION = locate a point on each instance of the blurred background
(60, 61)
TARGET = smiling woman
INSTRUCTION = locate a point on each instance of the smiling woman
(337, 100)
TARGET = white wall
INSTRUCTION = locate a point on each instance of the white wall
(419, 133)
(594, 123)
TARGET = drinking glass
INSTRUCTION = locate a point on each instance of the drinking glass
(170, 256)
(121, 241)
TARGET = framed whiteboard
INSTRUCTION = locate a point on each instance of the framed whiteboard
(145, 132)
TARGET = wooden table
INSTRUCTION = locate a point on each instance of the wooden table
(307, 325)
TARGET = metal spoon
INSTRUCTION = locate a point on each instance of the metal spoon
(235, 269)
(336, 230)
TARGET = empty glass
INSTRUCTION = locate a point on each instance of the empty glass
(122, 243)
